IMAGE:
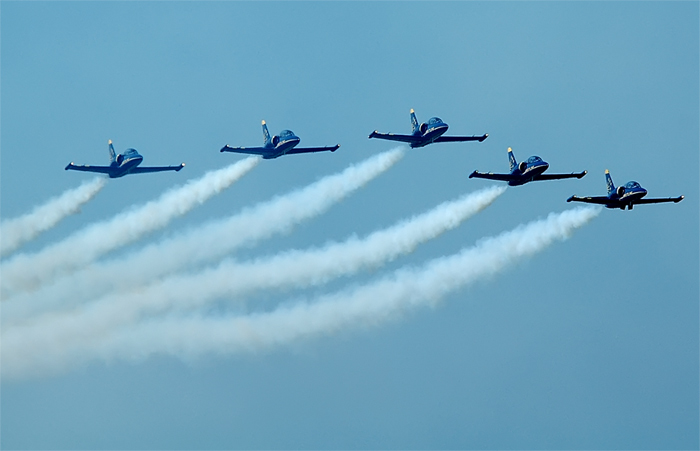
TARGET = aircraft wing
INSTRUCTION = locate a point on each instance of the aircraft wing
(602, 200)
(660, 200)
(312, 149)
(88, 168)
(249, 150)
(393, 137)
(492, 176)
(451, 139)
(576, 175)
(143, 170)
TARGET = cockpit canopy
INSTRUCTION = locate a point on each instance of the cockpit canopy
(534, 160)
(130, 152)
(632, 185)
(434, 121)
(287, 134)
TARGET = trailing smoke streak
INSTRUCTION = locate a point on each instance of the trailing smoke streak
(210, 241)
(29, 271)
(15, 232)
(39, 351)
(293, 268)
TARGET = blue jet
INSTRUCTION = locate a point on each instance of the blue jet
(278, 145)
(122, 164)
(627, 195)
(424, 134)
(527, 171)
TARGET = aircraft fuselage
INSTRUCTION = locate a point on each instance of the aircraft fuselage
(431, 133)
(627, 199)
(282, 147)
(125, 163)
(529, 173)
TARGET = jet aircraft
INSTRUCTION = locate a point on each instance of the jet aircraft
(123, 164)
(424, 134)
(527, 171)
(278, 145)
(627, 195)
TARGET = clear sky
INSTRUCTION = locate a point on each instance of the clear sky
(589, 344)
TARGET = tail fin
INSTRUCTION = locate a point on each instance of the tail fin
(266, 133)
(414, 122)
(511, 159)
(609, 182)
(112, 153)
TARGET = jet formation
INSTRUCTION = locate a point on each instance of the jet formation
(423, 134)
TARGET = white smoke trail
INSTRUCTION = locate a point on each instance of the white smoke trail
(32, 352)
(293, 268)
(17, 231)
(204, 243)
(28, 271)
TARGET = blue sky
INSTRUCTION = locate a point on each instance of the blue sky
(592, 343)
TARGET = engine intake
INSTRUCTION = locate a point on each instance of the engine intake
(620, 191)
(275, 140)
(423, 127)
(522, 166)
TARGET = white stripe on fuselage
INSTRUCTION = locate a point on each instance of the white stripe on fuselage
(539, 169)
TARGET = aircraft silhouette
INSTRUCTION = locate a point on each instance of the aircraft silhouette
(278, 145)
(122, 164)
(529, 170)
(426, 133)
(623, 196)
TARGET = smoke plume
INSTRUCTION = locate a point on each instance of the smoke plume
(296, 268)
(36, 349)
(207, 242)
(29, 271)
(17, 231)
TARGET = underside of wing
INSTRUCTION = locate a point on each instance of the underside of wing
(602, 200)
(492, 176)
(88, 168)
(393, 137)
(573, 175)
(249, 150)
(143, 170)
(660, 200)
(312, 149)
(448, 139)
